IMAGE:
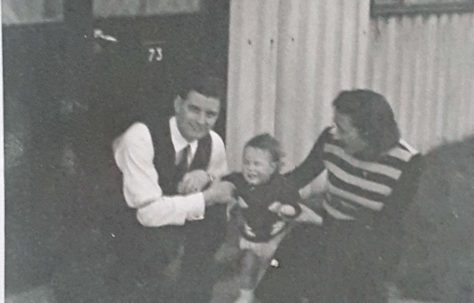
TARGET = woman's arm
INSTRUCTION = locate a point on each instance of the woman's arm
(312, 166)
(404, 192)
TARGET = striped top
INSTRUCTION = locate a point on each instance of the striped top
(355, 188)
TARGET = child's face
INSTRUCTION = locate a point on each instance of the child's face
(258, 165)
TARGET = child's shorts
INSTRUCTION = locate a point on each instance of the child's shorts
(264, 250)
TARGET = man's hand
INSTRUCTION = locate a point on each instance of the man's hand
(193, 182)
(219, 193)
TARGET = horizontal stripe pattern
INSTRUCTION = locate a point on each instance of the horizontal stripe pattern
(356, 185)
(372, 176)
(335, 213)
(374, 167)
(364, 192)
(400, 153)
(348, 196)
(356, 180)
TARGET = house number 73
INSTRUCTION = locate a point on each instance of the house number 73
(155, 54)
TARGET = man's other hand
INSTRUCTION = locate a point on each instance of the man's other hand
(219, 193)
(193, 182)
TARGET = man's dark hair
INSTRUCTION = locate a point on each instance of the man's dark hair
(205, 84)
(373, 117)
(268, 143)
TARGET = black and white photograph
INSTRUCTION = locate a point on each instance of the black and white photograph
(238, 151)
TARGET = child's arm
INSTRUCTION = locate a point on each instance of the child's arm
(303, 214)
(290, 208)
(234, 204)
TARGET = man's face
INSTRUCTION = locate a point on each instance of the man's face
(347, 133)
(196, 115)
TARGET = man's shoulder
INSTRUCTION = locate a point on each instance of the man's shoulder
(216, 139)
(135, 137)
(136, 132)
(215, 136)
(136, 128)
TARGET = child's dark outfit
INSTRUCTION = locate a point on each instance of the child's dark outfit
(257, 224)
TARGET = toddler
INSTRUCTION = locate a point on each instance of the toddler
(266, 205)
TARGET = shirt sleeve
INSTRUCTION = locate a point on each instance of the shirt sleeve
(312, 166)
(218, 163)
(134, 153)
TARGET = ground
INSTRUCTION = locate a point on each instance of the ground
(438, 260)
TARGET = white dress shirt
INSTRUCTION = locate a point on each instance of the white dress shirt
(134, 154)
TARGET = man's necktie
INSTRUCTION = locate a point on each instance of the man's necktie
(182, 166)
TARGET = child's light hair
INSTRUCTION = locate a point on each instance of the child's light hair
(268, 143)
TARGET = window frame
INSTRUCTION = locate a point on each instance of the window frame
(402, 8)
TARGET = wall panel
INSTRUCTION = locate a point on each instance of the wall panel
(283, 80)
(424, 65)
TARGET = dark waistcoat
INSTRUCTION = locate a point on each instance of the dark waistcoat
(134, 241)
(165, 157)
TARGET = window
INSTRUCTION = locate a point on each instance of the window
(111, 8)
(27, 11)
(392, 7)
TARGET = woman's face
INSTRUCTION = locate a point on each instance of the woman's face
(347, 133)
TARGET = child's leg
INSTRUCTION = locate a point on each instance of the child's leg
(249, 270)
(248, 276)
(255, 261)
(264, 263)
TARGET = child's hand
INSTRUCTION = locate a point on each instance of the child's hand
(241, 203)
(275, 207)
(234, 205)
(308, 215)
(287, 211)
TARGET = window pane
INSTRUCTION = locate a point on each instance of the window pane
(387, 1)
(31, 11)
(106, 8)
(411, 2)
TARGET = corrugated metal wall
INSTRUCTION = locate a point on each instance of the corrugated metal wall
(288, 59)
(424, 65)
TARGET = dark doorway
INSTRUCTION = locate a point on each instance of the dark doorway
(48, 126)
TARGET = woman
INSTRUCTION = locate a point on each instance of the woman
(372, 176)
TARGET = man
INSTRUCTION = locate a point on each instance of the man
(168, 168)
(372, 177)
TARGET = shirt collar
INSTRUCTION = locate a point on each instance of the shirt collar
(179, 142)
